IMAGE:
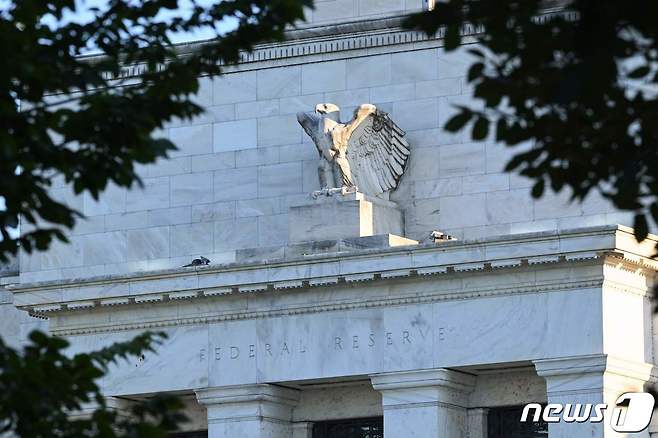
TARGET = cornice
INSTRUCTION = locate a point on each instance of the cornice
(425, 298)
(595, 363)
(565, 239)
(377, 35)
(643, 266)
(452, 246)
(431, 262)
(317, 42)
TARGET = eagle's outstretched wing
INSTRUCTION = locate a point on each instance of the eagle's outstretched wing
(377, 151)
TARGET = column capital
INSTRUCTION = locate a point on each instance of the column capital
(258, 410)
(595, 363)
(423, 378)
(423, 386)
(247, 393)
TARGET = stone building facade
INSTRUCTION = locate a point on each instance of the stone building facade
(536, 301)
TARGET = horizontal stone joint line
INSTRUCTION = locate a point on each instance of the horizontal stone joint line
(394, 407)
(246, 418)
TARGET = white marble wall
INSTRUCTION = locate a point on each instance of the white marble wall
(245, 161)
(15, 324)
(333, 401)
(331, 11)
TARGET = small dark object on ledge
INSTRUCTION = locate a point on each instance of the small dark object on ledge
(201, 261)
(438, 236)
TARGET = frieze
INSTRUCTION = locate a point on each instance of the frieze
(264, 349)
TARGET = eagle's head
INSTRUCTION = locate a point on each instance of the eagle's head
(310, 120)
(328, 110)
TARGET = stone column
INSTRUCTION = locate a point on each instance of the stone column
(590, 379)
(302, 429)
(250, 411)
(424, 404)
(477, 422)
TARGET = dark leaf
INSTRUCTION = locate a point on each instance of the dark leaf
(639, 72)
(501, 129)
(458, 121)
(480, 128)
(641, 227)
(475, 71)
(538, 189)
(452, 38)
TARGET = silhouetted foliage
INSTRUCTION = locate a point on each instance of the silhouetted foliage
(41, 387)
(79, 122)
(574, 82)
(75, 122)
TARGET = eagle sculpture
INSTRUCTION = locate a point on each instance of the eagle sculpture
(369, 152)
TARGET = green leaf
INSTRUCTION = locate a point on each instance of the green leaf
(458, 121)
(475, 71)
(538, 189)
(501, 129)
(452, 38)
(641, 227)
(476, 52)
(480, 128)
(557, 183)
(639, 72)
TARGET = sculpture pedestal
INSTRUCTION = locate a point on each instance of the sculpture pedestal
(343, 216)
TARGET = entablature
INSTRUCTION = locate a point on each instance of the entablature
(335, 40)
(452, 270)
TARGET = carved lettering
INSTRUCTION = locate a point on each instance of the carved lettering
(293, 346)
(442, 334)
(423, 334)
(419, 322)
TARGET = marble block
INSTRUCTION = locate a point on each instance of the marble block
(342, 217)
(378, 241)
(316, 247)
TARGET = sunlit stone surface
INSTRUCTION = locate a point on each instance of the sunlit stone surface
(343, 307)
